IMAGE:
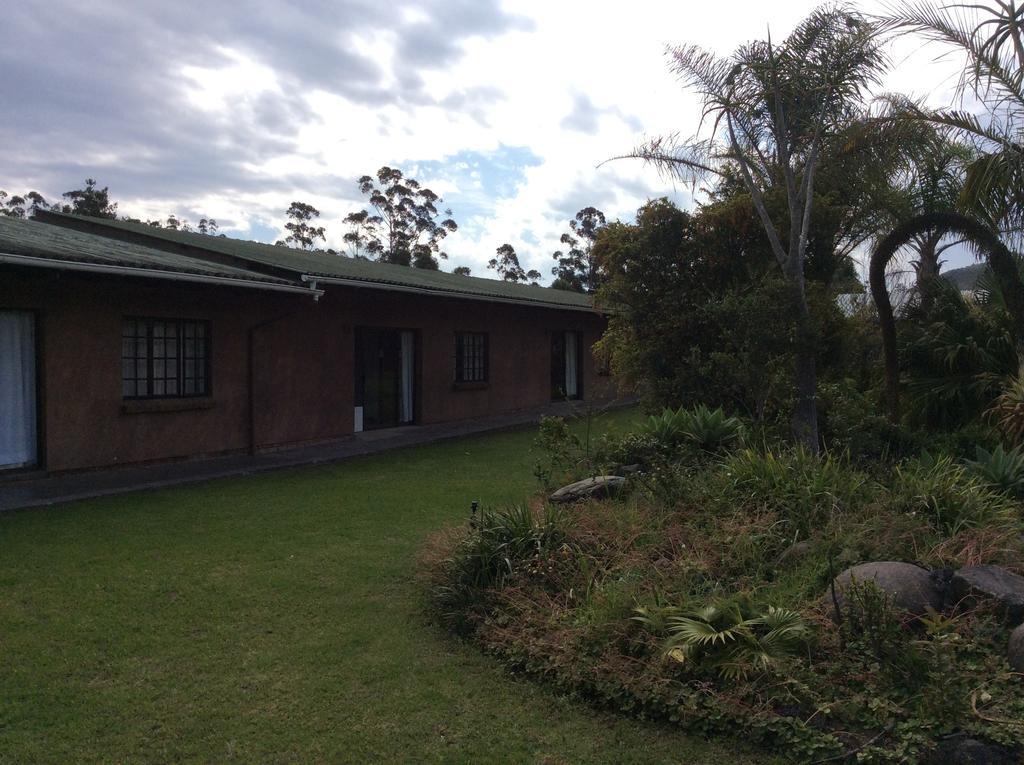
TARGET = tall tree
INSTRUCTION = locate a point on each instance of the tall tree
(405, 227)
(506, 263)
(207, 226)
(18, 206)
(770, 108)
(462, 270)
(91, 200)
(576, 267)
(301, 231)
(991, 38)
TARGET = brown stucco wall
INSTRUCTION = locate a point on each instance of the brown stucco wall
(299, 354)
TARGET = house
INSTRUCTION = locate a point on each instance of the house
(121, 343)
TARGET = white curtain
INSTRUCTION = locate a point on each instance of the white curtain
(408, 363)
(572, 388)
(17, 389)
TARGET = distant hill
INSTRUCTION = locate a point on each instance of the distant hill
(965, 278)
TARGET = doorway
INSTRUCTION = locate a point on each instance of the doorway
(566, 366)
(385, 371)
(18, 417)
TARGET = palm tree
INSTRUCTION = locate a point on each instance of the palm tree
(991, 201)
(991, 40)
(769, 111)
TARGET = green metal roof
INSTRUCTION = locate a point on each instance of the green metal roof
(33, 239)
(321, 264)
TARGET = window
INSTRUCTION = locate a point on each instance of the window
(165, 358)
(470, 357)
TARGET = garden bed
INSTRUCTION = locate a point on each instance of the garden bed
(701, 595)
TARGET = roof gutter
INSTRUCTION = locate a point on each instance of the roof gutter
(155, 273)
(315, 280)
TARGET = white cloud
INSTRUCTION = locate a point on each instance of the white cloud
(573, 83)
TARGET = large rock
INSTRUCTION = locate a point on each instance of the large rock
(589, 488)
(910, 587)
(1015, 651)
(975, 584)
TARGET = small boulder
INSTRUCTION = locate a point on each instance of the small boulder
(973, 584)
(794, 553)
(970, 751)
(589, 488)
(910, 587)
(1015, 651)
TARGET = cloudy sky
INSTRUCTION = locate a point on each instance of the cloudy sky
(233, 109)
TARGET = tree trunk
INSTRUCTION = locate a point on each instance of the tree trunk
(928, 269)
(805, 411)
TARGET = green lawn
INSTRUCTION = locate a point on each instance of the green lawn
(275, 619)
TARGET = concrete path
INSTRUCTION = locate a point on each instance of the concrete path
(52, 490)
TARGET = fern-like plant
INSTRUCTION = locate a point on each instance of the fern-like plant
(733, 637)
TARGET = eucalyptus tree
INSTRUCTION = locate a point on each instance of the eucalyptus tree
(302, 232)
(18, 206)
(405, 227)
(90, 200)
(768, 111)
(506, 263)
(576, 268)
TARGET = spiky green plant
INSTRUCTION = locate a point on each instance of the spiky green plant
(1001, 469)
(711, 429)
(668, 428)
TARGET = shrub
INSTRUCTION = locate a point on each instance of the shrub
(870, 623)
(562, 449)
(710, 429)
(852, 423)
(733, 637)
(632, 449)
(1008, 410)
(1000, 469)
(802, 488)
(667, 428)
(943, 491)
(496, 543)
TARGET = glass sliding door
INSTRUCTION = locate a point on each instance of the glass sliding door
(566, 366)
(385, 377)
(18, 438)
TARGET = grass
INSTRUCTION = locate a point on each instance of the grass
(275, 618)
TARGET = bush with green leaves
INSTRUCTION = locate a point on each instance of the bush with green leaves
(562, 450)
(709, 429)
(803, 488)
(945, 492)
(1000, 469)
(733, 637)
(666, 428)
(496, 543)
(631, 449)
(703, 545)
